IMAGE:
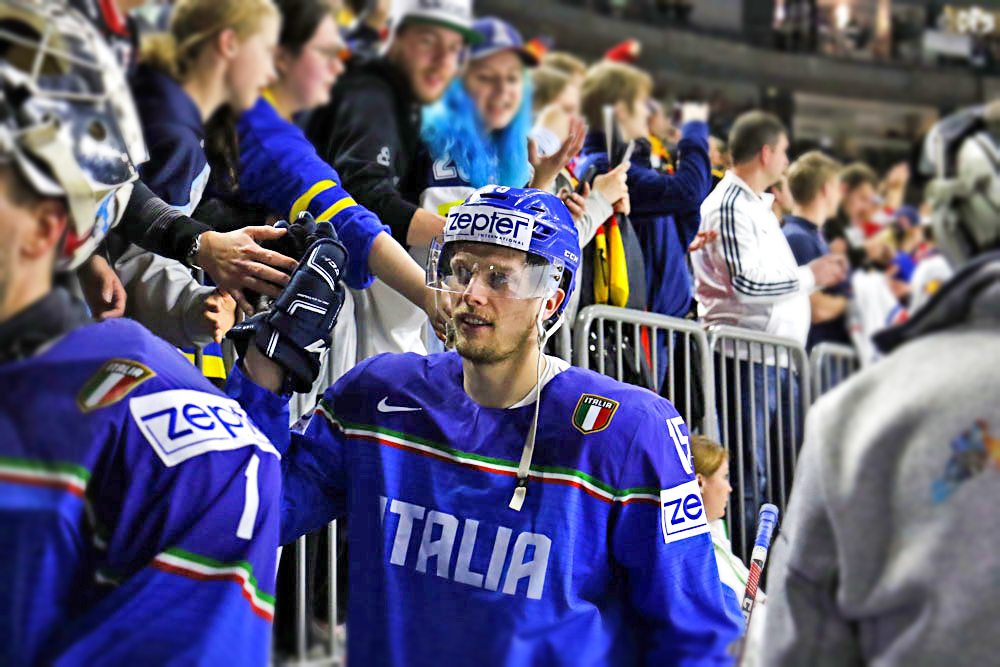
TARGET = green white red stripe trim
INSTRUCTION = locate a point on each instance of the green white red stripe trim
(202, 568)
(63, 476)
(547, 474)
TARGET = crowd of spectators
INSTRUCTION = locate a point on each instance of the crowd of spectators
(379, 118)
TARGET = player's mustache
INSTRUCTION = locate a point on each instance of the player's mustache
(455, 315)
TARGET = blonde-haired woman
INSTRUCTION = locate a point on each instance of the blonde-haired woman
(711, 469)
(214, 63)
(190, 86)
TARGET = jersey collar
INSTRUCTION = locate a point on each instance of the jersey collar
(49, 318)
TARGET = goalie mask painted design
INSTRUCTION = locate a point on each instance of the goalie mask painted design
(965, 195)
(67, 119)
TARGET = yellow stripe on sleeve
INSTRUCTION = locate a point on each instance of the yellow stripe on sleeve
(346, 202)
(302, 203)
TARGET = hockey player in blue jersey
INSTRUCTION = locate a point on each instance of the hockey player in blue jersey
(504, 507)
(137, 522)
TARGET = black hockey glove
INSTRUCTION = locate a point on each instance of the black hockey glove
(298, 328)
(297, 239)
(293, 244)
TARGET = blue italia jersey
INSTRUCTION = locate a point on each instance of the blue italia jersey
(138, 523)
(609, 562)
(280, 169)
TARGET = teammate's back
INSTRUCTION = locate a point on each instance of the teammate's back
(134, 532)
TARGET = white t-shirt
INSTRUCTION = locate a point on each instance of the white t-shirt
(553, 367)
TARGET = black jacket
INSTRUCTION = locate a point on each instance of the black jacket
(370, 133)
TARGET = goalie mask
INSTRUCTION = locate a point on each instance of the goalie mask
(965, 196)
(67, 120)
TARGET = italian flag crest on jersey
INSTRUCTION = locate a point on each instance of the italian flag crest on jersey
(111, 383)
(593, 413)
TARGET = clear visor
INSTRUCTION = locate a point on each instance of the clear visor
(490, 271)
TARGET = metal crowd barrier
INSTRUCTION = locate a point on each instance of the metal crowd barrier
(329, 654)
(562, 342)
(587, 343)
(832, 364)
(780, 365)
(764, 390)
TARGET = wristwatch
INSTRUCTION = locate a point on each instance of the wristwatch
(191, 259)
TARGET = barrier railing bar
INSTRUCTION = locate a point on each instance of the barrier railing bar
(781, 432)
(332, 591)
(688, 408)
(618, 351)
(600, 347)
(637, 349)
(301, 628)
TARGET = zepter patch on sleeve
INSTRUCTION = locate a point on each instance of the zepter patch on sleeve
(183, 423)
(682, 512)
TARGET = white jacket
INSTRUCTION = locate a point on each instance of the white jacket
(748, 276)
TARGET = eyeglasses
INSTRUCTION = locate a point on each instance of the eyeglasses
(332, 54)
(464, 272)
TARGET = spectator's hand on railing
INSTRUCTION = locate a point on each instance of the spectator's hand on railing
(991, 113)
(829, 270)
(548, 167)
(702, 239)
(614, 184)
(102, 288)
(219, 310)
(235, 262)
(694, 111)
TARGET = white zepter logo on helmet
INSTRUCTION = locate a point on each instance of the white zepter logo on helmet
(489, 224)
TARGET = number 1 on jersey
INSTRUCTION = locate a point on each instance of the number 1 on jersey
(251, 501)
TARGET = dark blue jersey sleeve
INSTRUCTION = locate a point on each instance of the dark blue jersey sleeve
(654, 193)
(177, 170)
(280, 169)
(665, 549)
(313, 465)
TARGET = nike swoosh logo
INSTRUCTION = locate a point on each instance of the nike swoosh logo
(383, 406)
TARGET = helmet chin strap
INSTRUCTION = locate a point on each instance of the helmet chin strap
(524, 466)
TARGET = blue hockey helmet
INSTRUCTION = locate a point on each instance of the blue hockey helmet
(526, 219)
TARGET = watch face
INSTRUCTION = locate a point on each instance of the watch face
(192, 255)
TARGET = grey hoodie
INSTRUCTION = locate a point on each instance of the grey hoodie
(890, 550)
